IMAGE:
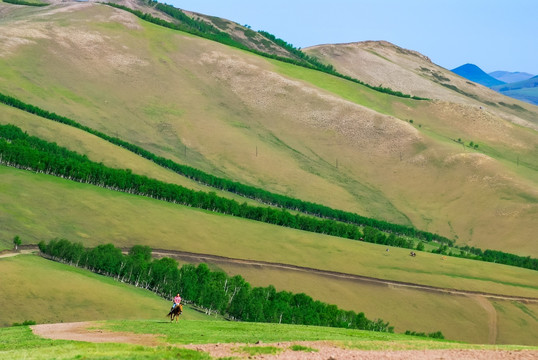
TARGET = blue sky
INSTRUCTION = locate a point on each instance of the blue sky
(494, 34)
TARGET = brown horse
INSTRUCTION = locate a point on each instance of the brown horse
(175, 312)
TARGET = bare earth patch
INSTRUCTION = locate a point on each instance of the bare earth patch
(79, 331)
(321, 350)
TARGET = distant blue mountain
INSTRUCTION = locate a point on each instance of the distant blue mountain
(474, 73)
(510, 77)
(526, 90)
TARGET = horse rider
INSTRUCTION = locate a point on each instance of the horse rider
(177, 301)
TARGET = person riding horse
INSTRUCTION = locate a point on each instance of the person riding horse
(177, 302)
(176, 309)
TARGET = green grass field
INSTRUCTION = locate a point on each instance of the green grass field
(44, 291)
(20, 343)
(52, 207)
(463, 318)
(102, 151)
(281, 128)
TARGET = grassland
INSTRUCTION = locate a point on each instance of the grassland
(102, 151)
(44, 291)
(278, 127)
(464, 318)
(51, 207)
(20, 343)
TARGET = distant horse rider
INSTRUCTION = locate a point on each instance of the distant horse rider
(177, 302)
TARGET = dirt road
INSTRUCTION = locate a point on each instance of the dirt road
(190, 257)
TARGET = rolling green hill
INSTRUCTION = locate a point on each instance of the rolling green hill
(48, 292)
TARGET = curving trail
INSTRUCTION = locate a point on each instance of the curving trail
(79, 331)
(5, 254)
(188, 256)
(492, 317)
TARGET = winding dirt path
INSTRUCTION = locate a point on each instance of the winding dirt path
(188, 256)
(81, 331)
(492, 317)
(11, 253)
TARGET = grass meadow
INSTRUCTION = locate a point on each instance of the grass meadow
(21, 343)
(102, 151)
(220, 110)
(44, 291)
(463, 318)
(51, 207)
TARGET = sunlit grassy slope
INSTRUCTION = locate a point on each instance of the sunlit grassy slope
(276, 126)
(44, 291)
(99, 150)
(50, 207)
(465, 318)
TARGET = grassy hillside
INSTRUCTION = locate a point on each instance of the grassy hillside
(409, 71)
(99, 150)
(170, 92)
(285, 129)
(44, 291)
(52, 207)
(464, 318)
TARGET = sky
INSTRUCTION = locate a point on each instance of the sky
(492, 34)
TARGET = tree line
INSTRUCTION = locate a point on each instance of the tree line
(214, 291)
(247, 191)
(20, 150)
(27, 3)
(207, 31)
